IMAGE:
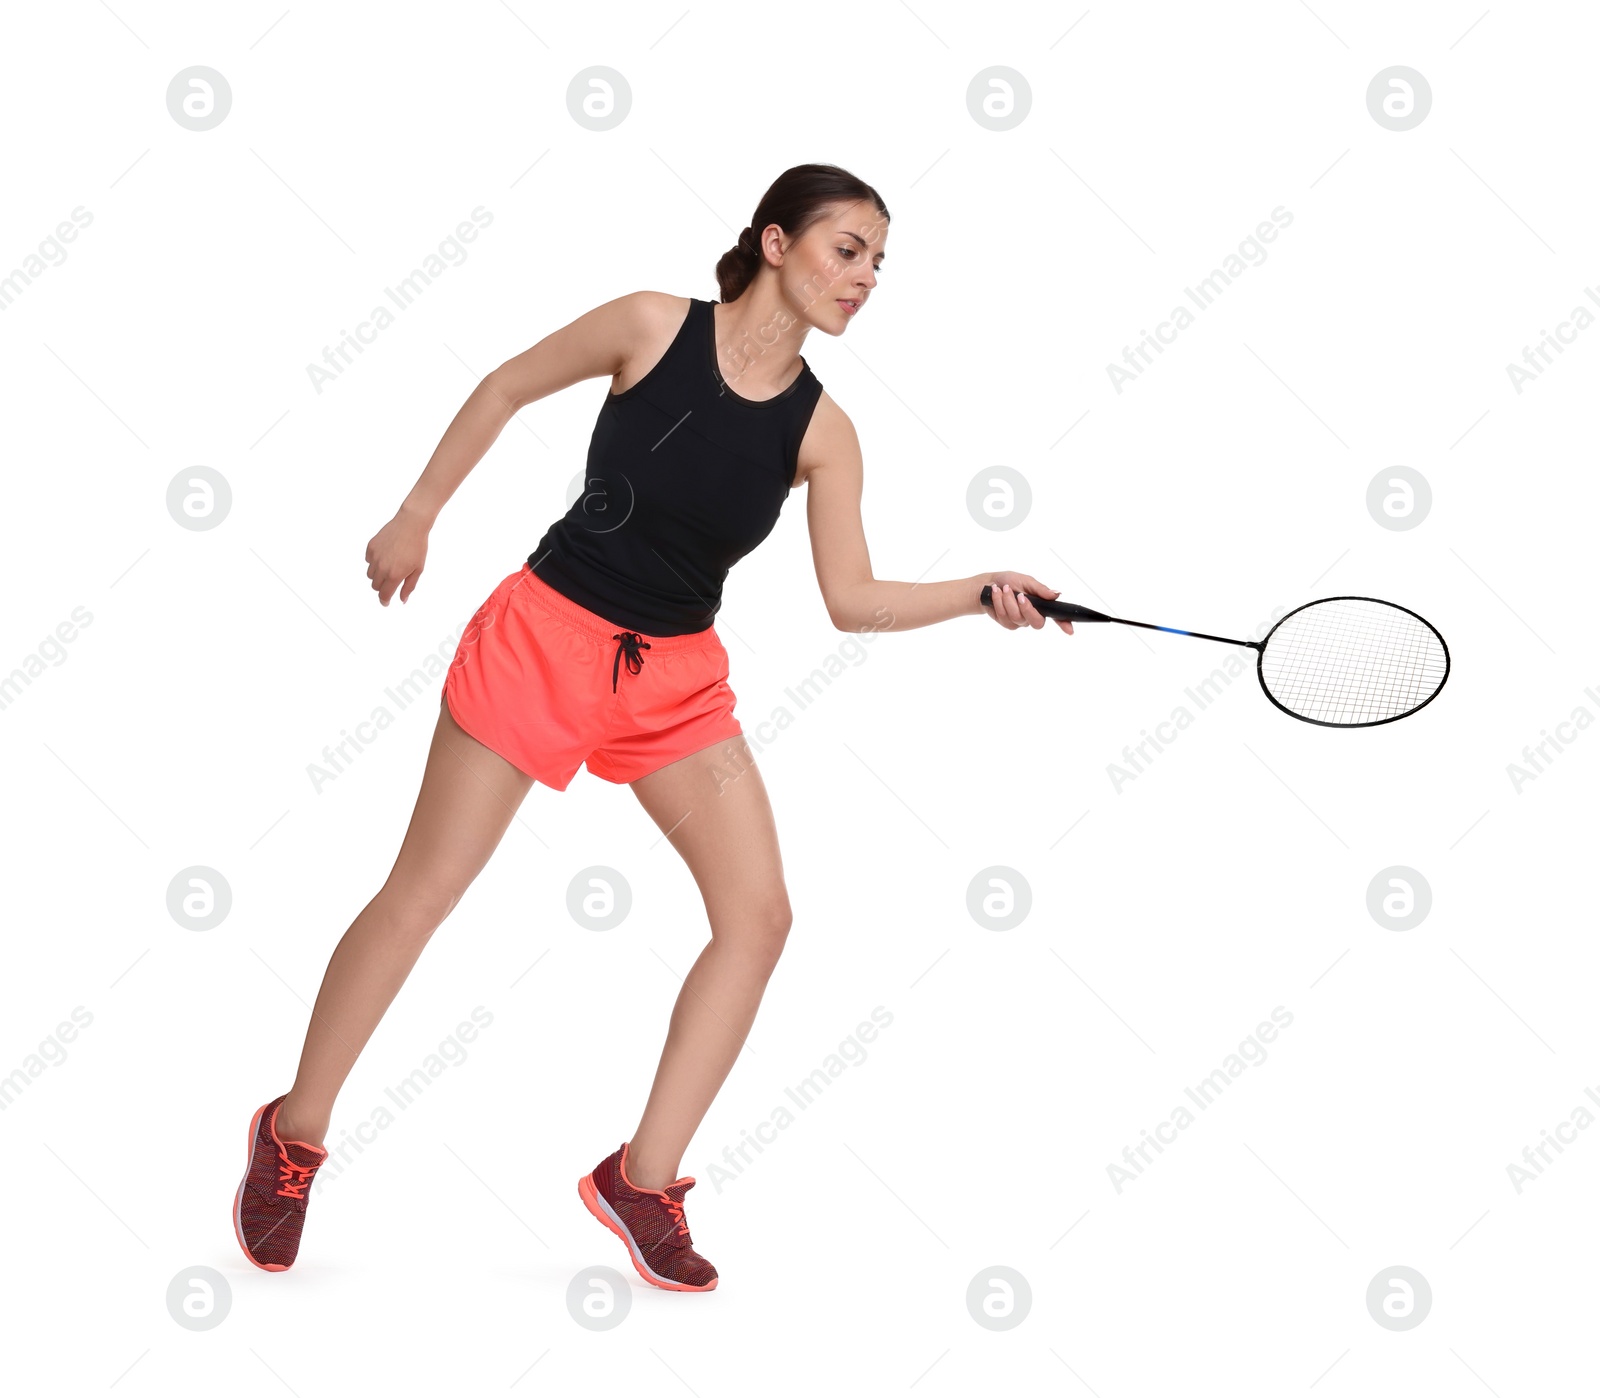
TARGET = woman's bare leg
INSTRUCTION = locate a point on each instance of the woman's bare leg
(726, 834)
(469, 795)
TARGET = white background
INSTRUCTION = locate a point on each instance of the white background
(1229, 878)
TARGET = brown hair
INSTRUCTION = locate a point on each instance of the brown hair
(794, 201)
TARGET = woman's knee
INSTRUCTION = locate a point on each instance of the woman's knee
(416, 909)
(759, 928)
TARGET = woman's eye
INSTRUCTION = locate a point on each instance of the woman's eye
(851, 252)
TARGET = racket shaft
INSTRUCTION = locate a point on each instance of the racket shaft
(1071, 611)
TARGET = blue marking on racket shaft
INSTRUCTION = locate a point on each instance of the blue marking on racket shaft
(1178, 631)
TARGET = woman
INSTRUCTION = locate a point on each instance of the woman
(601, 650)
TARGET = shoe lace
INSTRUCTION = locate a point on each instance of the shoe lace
(675, 1210)
(292, 1178)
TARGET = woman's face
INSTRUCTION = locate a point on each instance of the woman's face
(835, 261)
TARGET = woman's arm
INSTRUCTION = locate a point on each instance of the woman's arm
(595, 344)
(857, 601)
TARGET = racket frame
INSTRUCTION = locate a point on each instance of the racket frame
(1261, 651)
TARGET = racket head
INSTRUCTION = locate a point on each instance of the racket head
(1352, 662)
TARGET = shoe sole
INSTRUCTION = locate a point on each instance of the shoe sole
(238, 1198)
(596, 1204)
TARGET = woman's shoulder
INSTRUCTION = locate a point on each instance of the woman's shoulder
(663, 307)
(829, 436)
(830, 415)
(648, 313)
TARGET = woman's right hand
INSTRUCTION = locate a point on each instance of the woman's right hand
(1009, 594)
(396, 554)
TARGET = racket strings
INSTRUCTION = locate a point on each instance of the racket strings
(1353, 660)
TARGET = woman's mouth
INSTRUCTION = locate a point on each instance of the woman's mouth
(851, 307)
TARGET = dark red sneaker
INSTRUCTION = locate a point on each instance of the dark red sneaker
(650, 1222)
(270, 1208)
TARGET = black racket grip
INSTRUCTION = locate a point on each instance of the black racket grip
(1047, 606)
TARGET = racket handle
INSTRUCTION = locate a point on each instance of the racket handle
(1047, 606)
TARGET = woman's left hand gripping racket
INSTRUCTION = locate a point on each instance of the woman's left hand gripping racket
(1343, 662)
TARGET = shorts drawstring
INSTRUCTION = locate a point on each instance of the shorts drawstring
(632, 643)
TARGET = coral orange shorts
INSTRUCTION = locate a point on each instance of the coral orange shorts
(552, 686)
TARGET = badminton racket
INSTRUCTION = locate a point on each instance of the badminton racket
(1343, 662)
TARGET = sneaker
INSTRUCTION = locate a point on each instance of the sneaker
(650, 1222)
(270, 1208)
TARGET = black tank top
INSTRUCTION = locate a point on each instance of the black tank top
(684, 478)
